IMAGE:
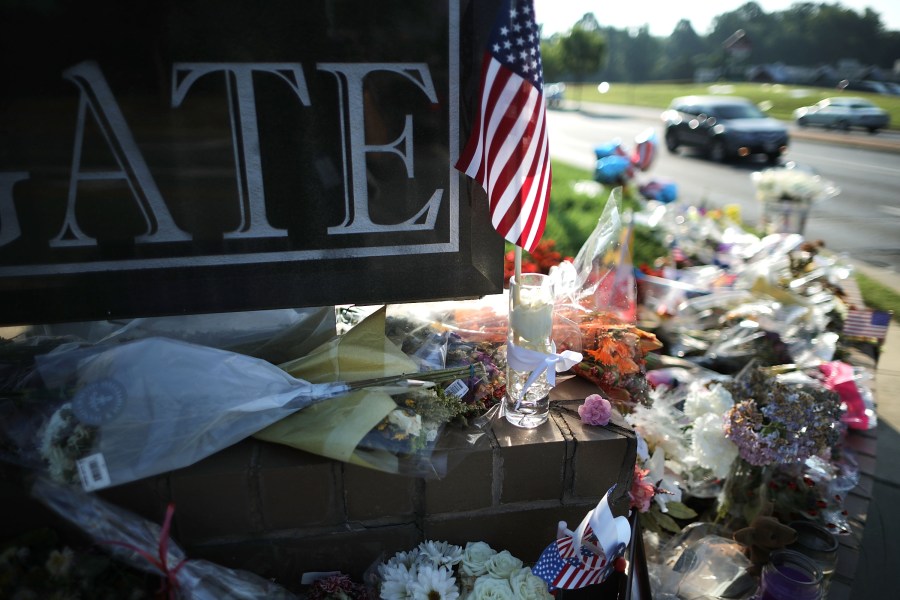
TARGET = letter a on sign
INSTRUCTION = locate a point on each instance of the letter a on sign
(97, 98)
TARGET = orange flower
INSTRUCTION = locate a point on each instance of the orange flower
(614, 353)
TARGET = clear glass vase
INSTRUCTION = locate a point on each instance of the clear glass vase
(531, 299)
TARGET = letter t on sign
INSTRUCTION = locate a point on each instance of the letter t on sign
(244, 130)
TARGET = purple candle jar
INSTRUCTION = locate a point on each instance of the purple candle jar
(790, 576)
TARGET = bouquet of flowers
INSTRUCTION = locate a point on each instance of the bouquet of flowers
(105, 415)
(775, 423)
(392, 426)
(792, 185)
(445, 571)
(615, 359)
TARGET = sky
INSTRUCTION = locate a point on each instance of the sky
(662, 15)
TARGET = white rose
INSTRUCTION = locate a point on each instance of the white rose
(410, 424)
(475, 557)
(528, 586)
(489, 588)
(502, 565)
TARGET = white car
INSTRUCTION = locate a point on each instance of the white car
(843, 113)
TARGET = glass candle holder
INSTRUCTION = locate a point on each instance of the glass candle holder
(819, 545)
(790, 576)
(531, 299)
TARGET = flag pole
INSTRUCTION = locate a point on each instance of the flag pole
(518, 263)
(517, 273)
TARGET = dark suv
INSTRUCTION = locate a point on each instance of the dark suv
(723, 127)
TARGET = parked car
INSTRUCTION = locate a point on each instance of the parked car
(843, 113)
(864, 85)
(892, 87)
(723, 128)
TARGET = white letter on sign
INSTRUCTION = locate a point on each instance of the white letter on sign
(244, 130)
(356, 196)
(97, 97)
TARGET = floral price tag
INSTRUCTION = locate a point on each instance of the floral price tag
(93, 472)
(457, 388)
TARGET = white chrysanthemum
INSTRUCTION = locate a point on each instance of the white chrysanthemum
(393, 571)
(396, 579)
(395, 590)
(528, 586)
(702, 400)
(440, 554)
(710, 446)
(434, 583)
(407, 559)
(502, 565)
(474, 559)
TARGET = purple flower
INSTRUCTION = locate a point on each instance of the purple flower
(596, 410)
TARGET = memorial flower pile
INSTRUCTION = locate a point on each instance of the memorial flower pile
(443, 571)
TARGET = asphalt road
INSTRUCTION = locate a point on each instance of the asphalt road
(862, 221)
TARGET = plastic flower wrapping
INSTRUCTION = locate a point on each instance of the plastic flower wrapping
(103, 415)
(145, 546)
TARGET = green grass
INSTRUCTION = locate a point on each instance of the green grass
(878, 296)
(576, 203)
(782, 99)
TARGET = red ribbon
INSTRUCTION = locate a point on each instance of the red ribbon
(169, 576)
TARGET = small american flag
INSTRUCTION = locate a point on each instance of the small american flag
(867, 323)
(560, 568)
(507, 151)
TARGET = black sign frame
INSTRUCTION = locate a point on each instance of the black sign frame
(58, 263)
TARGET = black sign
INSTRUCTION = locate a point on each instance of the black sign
(206, 156)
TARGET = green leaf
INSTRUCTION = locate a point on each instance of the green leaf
(668, 523)
(649, 522)
(677, 510)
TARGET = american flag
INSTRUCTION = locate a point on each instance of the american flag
(867, 323)
(507, 151)
(560, 568)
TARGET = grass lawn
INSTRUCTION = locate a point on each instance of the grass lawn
(576, 203)
(781, 100)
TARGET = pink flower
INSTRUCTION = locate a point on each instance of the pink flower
(642, 491)
(596, 410)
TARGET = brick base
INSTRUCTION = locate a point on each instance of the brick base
(280, 512)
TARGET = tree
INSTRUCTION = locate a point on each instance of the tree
(552, 58)
(684, 51)
(641, 56)
(583, 51)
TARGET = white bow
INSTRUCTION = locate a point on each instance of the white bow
(523, 359)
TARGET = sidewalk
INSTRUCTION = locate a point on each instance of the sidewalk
(877, 575)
